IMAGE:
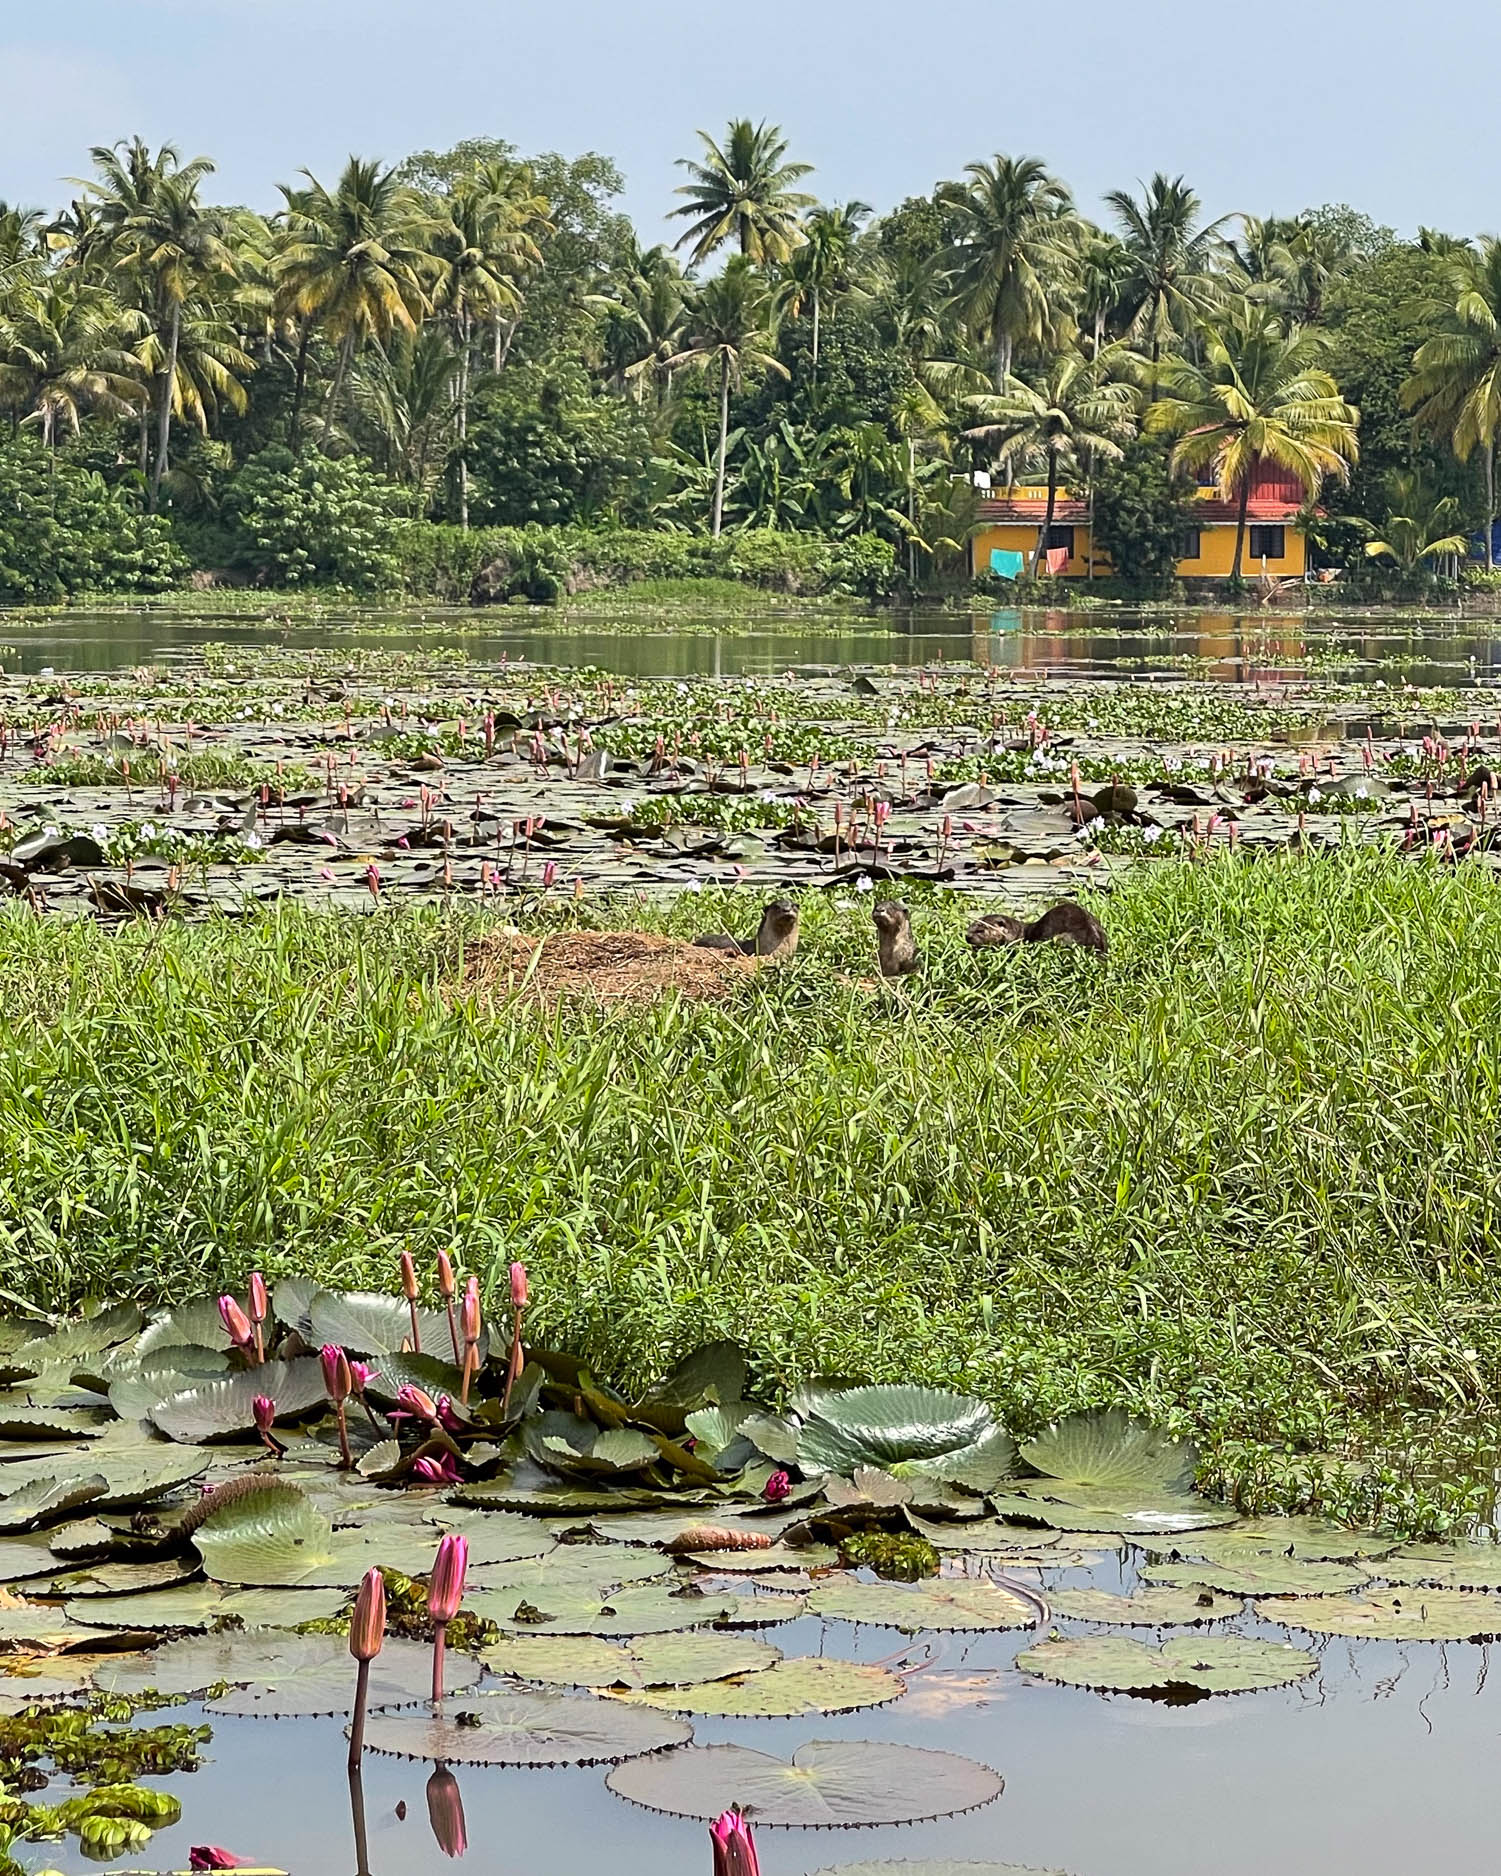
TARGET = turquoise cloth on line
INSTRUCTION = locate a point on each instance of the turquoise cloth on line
(1006, 563)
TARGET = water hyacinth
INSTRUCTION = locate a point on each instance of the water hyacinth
(367, 1633)
(445, 1595)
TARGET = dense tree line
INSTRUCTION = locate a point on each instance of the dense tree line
(471, 339)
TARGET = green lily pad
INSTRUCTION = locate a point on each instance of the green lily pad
(200, 1605)
(48, 1497)
(128, 1486)
(527, 1727)
(903, 1430)
(276, 1676)
(1139, 1523)
(213, 1410)
(123, 1579)
(790, 1689)
(367, 1323)
(1445, 1566)
(1229, 1664)
(868, 1489)
(564, 1500)
(983, 1534)
(671, 1660)
(1263, 1576)
(1304, 1540)
(1149, 1608)
(579, 1570)
(274, 1535)
(1392, 1615)
(712, 1376)
(938, 1866)
(1109, 1449)
(827, 1784)
(778, 1557)
(35, 1625)
(191, 1325)
(647, 1609)
(954, 1604)
(25, 1426)
(715, 1429)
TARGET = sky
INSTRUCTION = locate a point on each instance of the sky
(1388, 107)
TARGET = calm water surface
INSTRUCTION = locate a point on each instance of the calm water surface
(1250, 647)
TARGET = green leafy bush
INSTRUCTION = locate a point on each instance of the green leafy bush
(314, 520)
(64, 530)
(1141, 513)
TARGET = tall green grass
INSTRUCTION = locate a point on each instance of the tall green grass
(1242, 1176)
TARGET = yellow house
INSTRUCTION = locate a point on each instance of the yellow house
(1011, 521)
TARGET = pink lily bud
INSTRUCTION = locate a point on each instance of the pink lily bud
(446, 1588)
(472, 1320)
(415, 1401)
(519, 1293)
(337, 1379)
(264, 1409)
(436, 1471)
(359, 1376)
(734, 1846)
(446, 1286)
(447, 1418)
(236, 1323)
(408, 1277)
(776, 1488)
(258, 1303)
(215, 1856)
(367, 1626)
(445, 1812)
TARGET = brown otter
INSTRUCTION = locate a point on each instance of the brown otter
(1064, 924)
(893, 922)
(775, 939)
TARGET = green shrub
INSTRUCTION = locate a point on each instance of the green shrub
(314, 520)
(64, 530)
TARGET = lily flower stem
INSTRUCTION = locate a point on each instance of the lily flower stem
(346, 1458)
(453, 1332)
(440, 1642)
(260, 1346)
(517, 1361)
(465, 1377)
(416, 1332)
(357, 1728)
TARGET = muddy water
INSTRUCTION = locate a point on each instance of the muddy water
(1382, 1763)
(1250, 647)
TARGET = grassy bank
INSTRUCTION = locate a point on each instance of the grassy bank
(1242, 1177)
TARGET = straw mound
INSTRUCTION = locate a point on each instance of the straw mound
(610, 966)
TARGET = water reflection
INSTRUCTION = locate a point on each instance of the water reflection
(445, 1812)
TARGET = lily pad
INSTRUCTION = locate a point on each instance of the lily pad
(274, 1534)
(1306, 1540)
(200, 1605)
(367, 1323)
(1140, 1522)
(649, 1609)
(903, 1430)
(579, 1570)
(191, 1325)
(938, 1866)
(778, 1557)
(123, 1579)
(1229, 1664)
(213, 1410)
(983, 1534)
(276, 1676)
(670, 1660)
(791, 1689)
(48, 1497)
(1391, 1615)
(1149, 1608)
(945, 1603)
(1445, 1566)
(35, 1625)
(827, 1784)
(527, 1727)
(1109, 1449)
(1263, 1576)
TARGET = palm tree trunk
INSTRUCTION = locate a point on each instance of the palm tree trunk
(503, 351)
(144, 439)
(724, 431)
(346, 352)
(164, 414)
(1002, 359)
(1237, 572)
(816, 321)
(1047, 525)
(1490, 505)
(464, 421)
(299, 385)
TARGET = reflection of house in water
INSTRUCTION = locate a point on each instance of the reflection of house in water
(1011, 521)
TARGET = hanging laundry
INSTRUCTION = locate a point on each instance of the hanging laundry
(1057, 560)
(1006, 564)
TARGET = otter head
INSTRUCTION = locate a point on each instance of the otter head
(890, 915)
(779, 917)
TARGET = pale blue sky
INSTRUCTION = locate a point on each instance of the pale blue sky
(884, 98)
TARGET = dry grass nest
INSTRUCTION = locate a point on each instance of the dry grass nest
(609, 966)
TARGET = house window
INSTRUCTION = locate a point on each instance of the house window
(1189, 544)
(1268, 543)
(1061, 537)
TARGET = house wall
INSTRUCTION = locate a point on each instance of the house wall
(1215, 560)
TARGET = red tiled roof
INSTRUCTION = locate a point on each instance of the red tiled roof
(1206, 513)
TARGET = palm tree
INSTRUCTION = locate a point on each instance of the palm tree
(148, 219)
(1420, 528)
(523, 220)
(1261, 395)
(61, 356)
(645, 321)
(204, 372)
(1074, 416)
(1011, 220)
(355, 262)
(820, 267)
(1455, 387)
(743, 192)
(401, 404)
(1105, 270)
(1172, 257)
(730, 330)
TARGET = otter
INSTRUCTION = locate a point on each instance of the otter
(775, 939)
(1064, 924)
(893, 922)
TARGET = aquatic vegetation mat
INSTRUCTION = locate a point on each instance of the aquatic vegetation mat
(827, 1784)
